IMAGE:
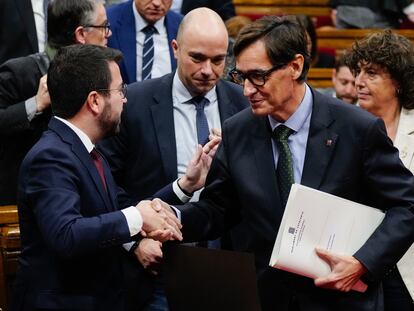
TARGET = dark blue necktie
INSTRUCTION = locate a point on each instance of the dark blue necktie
(148, 52)
(201, 119)
(284, 168)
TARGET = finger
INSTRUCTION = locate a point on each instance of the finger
(143, 233)
(174, 221)
(216, 132)
(156, 205)
(176, 234)
(161, 235)
(325, 256)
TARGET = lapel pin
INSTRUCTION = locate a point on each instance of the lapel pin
(328, 142)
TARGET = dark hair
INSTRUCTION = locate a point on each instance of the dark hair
(391, 52)
(283, 39)
(306, 22)
(342, 60)
(74, 72)
(64, 16)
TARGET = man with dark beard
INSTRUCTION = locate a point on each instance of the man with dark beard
(73, 217)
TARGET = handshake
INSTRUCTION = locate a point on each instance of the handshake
(159, 221)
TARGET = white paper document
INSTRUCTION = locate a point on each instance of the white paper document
(313, 218)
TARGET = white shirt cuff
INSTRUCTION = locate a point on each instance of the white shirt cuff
(177, 212)
(31, 108)
(179, 193)
(134, 219)
(127, 246)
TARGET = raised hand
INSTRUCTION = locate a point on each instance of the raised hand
(42, 96)
(198, 167)
(345, 275)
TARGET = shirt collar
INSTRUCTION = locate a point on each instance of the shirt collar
(141, 23)
(298, 118)
(82, 136)
(182, 95)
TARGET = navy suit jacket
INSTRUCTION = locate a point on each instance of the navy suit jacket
(121, 17)
(71, 229)
(143, 157)
(359, 163)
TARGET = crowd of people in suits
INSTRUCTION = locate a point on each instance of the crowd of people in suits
(120, 134)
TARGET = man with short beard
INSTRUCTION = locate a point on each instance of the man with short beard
(24, 99)
(73, 217)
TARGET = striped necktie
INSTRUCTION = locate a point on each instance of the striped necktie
(284, 168)
(148, 52)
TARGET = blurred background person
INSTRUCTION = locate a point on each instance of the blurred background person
(143, 30)
(24, 98)
(343, 83)
(319, 59)
(22, 27)
(383, 65)
(233, 25)
(369, 13)
(224, 8)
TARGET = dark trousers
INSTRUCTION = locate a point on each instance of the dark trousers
(396, 295)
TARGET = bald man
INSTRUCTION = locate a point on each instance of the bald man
(159, 125)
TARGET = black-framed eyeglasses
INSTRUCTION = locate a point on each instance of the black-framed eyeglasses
(106, 27)
(256, 77)
(122, 90)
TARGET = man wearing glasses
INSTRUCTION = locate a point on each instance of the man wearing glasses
(73, 217)
(24, 99)
(295, 134)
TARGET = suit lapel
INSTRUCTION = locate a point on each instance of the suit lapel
(171, 33)
(261, 143)
(163, 118)
(226, 107)
(82, 154)
(127, 38)
(321, 143)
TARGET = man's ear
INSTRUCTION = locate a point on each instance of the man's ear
(94, 103)
(80, 35)
(333, 76)
(297, 66)
(174, 45)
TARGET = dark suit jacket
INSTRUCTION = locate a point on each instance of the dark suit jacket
(224, 8)
(123, 37)
(360, 164)
(18, 30)
(143, 157)
(71, 229)
(19, 81)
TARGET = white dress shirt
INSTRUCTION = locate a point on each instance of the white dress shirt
(40, 22)
(162, 61)
(185, 123)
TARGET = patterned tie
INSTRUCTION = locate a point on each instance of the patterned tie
(148, 52)
(201, 119)
(284, 169)
(97, 160)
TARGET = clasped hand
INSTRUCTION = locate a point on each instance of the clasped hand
(159, 221)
